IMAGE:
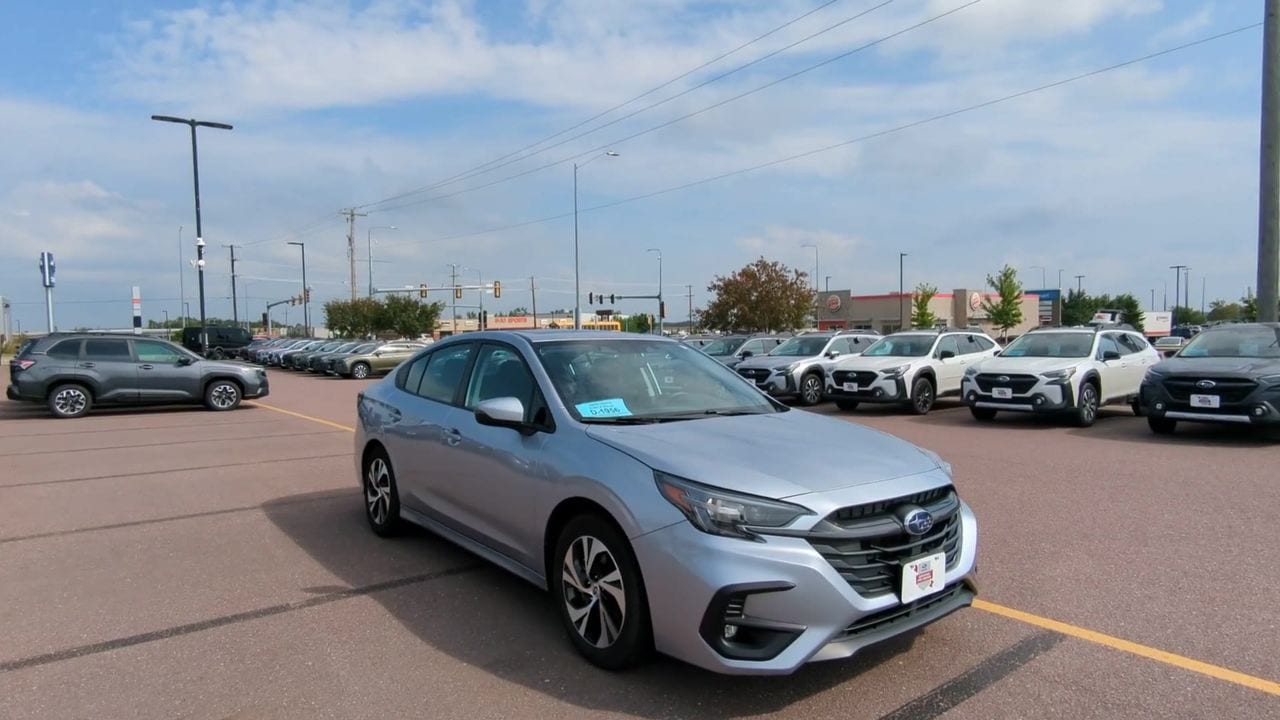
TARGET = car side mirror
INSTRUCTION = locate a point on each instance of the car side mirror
(505, 412)
(745, 354)
(184, 361)
(946, 355)
(833, 354)
(378, 354)
(996, 353)
(1110, 355)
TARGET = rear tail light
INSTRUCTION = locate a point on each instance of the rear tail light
(24, 364)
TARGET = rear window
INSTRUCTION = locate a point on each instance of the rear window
(98, 349)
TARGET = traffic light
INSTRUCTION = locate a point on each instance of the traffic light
(484, 319)
(422, 290)
(306, 295)
(662, 310)
(457, 292)
(591, 299)
(265, 322)
(497, 288)
(611, 300)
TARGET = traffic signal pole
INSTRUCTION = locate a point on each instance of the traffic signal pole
(1269, 170)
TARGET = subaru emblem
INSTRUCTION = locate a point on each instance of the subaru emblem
(917, 521)
(1206, 384)
(1003, 379)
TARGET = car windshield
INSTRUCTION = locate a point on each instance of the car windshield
(367, 347)
(633, 381)
(1258, 341)
(802, 346)
(724, 346)
(902, 346)
(1051, 345)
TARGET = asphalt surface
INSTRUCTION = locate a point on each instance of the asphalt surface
(181, 563)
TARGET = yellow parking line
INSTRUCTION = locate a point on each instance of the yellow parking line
(322, 421)
(1150, 653)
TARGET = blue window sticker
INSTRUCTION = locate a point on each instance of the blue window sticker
(613, 407)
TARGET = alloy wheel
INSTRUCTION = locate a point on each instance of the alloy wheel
(812, 390)
(360, 371)
(70, 401)
(223, 396)
(1088, 404)
(594, 595)
(924, 398)
(377, 491)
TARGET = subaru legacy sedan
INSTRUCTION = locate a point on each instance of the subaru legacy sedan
(659, 498)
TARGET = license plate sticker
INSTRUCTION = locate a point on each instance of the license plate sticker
(923, 576)
(1002, 393)
(1206, 401)
(851, 387)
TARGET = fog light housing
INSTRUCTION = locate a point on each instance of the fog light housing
(733, 634)
(973, 396)
(730, 631)
(878, 393)
(1039, 400)
(1160, 406)
(1260, 411)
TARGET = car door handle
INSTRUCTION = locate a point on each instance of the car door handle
(88, 365)
(146, 367)
(452, 437)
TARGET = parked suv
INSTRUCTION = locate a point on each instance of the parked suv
(733, 349)
(74, 372)
(223, 341)
(799, 367)
(912, 368)
(1226, 374)
(380, 360)
(1071, 371)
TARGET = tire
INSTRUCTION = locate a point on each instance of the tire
(983, 414)
(70, 400)
(360, 371)
(222, 395)
(810, 389)
(585, 600)
(1086, 412)
(217, 353)
(1136, 406)
(1162, 426)
(381, 495)
(922, 396)
(848, 405)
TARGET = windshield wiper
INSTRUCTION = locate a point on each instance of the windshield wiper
(629, 420)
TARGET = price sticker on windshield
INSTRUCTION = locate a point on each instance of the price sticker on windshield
(613, 407)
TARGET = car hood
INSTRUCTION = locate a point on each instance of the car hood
(1218, 365)
(777, 455)
(1026, 365)
(208, 366)
(865, 362)
(773, 361)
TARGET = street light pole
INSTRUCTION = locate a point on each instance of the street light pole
(1269, 168)
(827, 284)
(661, 324)
(901, 288)
(1041, 268)
(182, 282)
(1177, 291)
(195, 174)
(816, 320)
(1079, 284)
(1059, 280)
(577, 270)
(306, 299)
(368, 239)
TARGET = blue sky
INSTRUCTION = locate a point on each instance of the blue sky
(338, 104)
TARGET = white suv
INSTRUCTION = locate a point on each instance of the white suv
(911, 368)
(1061, 370)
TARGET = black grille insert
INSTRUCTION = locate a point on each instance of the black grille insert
(1020, 384)
(1231, 390)
(901, 613)
(862, 377)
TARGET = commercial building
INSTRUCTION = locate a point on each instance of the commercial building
(841, 309)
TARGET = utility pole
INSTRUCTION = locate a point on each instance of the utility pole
(661, 306)
(1080, 284)
(351, 244)
(235, 313)
(690, 289)
(1269, 169)
(1202, 287)
(453, 285)
(533, 293)
(182, 281)
(1177, 291)
(901, 319)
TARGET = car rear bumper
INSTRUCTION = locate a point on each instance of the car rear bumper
(11, 392)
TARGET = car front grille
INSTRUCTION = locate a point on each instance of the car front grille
(862, 377)
(869, 546)
(755, 374)
(1229, 389)
(900, 613)
(1020, 384)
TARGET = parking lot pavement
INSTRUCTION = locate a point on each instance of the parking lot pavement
(177, 562)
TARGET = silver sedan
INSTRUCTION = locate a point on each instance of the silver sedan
(664, 501)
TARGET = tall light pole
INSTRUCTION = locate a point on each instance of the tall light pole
(306, 295)
(368, 239)
(182, 281)
(661, 306)
(901, 266)
(577, 276)
(1059, 279)
(827, 284)
(1269, 169)
(195, 174)
(1080, 284)
(1043, 280)
(815, 282)
(1177, 291)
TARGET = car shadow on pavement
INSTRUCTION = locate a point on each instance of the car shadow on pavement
(487, 618)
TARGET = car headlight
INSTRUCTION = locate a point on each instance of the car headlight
(946, 466)
(787, 368)
(1153, 375)
(1269, 379)
(721, 512)
(895, 371)
(1063, 374)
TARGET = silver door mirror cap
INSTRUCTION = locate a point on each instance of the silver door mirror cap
(501, 412)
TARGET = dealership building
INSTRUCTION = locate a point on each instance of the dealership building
(841, 309)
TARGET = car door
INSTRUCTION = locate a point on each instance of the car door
(1139, 355)
(950, 369)
(1115, 371)
(108, 365)
(492, 474)
(164, 373)
(427, 389)
(388, 356)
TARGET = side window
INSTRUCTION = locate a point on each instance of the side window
(982, 343)
(842, 345)
(444, 372)
(65, 350)
(1130, 344)
(153, 352)
(755, 347)
(410, 376)
(103, 350)
(1107, 343)
(948, 344)
(501, 372)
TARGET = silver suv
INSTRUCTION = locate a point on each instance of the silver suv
(733, 349)
(799, 367)
(74, 372)
(661, 500)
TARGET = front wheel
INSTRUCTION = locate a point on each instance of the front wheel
(381, 495)
(810, 389)
(922, 396)
(222, 395)
(217, 353)
(360, 371)
(1087, 409)
(1162, 426)
(983, 414)
(600, 594)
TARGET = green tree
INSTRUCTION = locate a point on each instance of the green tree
(1223, 310)
(408, 317)
(1249, 307)
(764, 295)
(921, 315)
(1187, 316)
(1132, 310)
(637, 323)
(1006, 311)
(1077, 308)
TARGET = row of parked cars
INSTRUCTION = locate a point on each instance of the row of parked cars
(347, 358)
(1225, 374)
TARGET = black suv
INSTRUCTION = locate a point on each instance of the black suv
(72, 372)
(1226, 374)
(223, 341)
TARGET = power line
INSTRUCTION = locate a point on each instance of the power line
(695, 113)
(504, 161)
(864, 138)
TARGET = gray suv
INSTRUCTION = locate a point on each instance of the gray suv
(733, 349)
(798, 368)
(74, 372)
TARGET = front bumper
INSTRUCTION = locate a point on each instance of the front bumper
(790, 588)
(1045, 397)
(776, 384)
(1260, 407)
(881, 390)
